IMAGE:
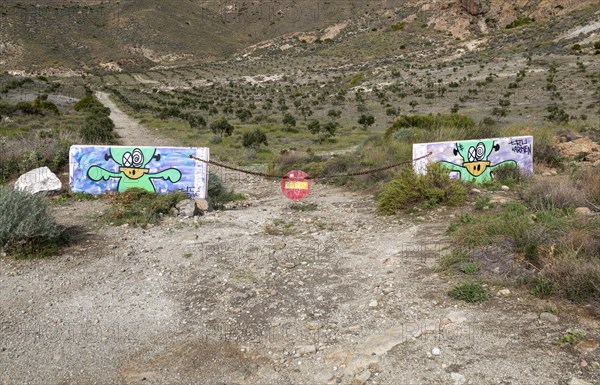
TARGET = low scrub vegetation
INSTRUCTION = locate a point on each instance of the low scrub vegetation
(139, 207)
(410, 189)
(98, 127)
(431, 123)
(470, 292)
(27, 228)
(219, 194)
(559, 246)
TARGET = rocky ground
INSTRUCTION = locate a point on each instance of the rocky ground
(264, 293)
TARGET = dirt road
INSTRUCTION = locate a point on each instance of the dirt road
(269, 294)
(130, 131)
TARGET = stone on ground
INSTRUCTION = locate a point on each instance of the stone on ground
(39, 181)
(187, 208)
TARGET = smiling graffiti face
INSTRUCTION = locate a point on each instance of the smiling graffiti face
(133, 161)
(476, 165)
(475, 155)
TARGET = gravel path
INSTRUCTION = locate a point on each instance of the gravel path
(267, 294)
(130, 131)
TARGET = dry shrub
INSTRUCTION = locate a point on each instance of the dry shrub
(555, 193)
(575, 278)
(588, 181)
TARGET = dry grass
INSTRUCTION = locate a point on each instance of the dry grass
(588, 181)
(575, 279)
(555, 193)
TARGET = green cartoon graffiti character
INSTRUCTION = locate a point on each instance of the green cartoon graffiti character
(133, 171)
(476, 166)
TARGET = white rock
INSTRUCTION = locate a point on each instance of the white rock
(596, 163)
(436, 351)
(577, 381)
(504, 292)
(546, 173)
(583, 211)
(458, 378)
(475, 191)
(373, 303)
(505, 188)
(39, 180)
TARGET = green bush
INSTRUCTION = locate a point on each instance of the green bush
(409, 189)
(98, 128)
(546, 151)
(508, 175)
(222, 127)
(470, 268)
(470, 292)
(431, 122)
(542, 288)
(572, 337)
(88, 103)
(140, 207)
(254, 139)
(519, 22)
(27, 229)
(218, 194)
(397, 26)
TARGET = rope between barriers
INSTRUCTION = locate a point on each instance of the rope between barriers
(264, 175)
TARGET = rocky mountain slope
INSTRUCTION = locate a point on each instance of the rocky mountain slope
(126, 35)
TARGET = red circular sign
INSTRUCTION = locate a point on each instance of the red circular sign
(295, 186)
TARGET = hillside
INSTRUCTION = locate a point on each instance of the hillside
(109, 35)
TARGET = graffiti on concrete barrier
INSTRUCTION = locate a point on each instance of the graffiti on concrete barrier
(97, 169)
(476, 160)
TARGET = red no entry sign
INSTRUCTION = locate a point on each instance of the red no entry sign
(296, 186)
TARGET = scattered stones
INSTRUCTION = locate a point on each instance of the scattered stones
(436, 351)
(458, 378)
(548, 317)
(505, 188)
(583, 211)
(503, 293)
(587, 346)
(187, 208)
(39, 181)
(577, 381)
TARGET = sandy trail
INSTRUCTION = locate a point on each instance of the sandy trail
(130, 131)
